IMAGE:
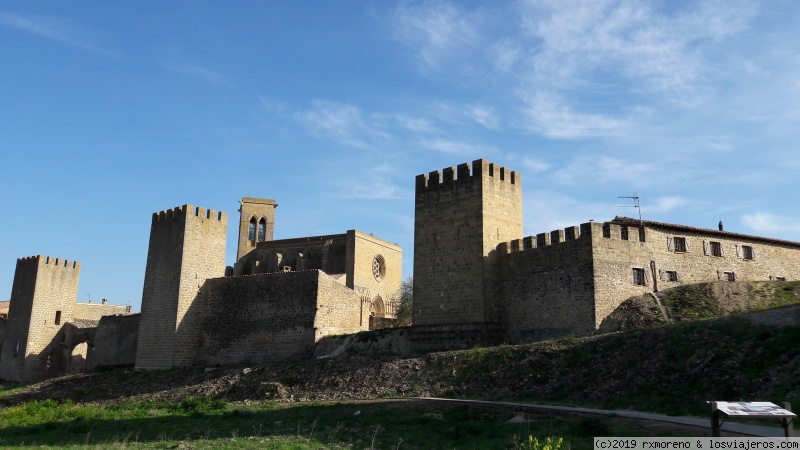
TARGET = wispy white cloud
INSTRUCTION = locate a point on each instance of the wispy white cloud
(202, 73)
(437, 30)
(590, 170)
(342, 123)
(665, 204)
(534, 165)
(654, 50)
(548, 115)
(58, 29)
(457, 147)
(766, 222)
(416, 124)
(466, 114)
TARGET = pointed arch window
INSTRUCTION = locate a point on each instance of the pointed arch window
(251, 235)
(262, 230)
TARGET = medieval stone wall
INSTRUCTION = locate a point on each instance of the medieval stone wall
(620, 249)
(376, 266)
(548, 288)
(460, 217)
(42, 300)
(115, 341)
(339, 309)
(187, 247)
(326, 253)
(277, 316)
(95, 311)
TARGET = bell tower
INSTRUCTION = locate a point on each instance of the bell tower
(256, 223)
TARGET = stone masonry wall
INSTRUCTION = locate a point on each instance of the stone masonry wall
(459, 220)
(326, 253)
(97, 310)
(339, 309)
(548, 288)
(187, 246)
(115, 341)
(502, 222)
(615, 259)
(203, 258)
(367, 255)
(258, 318)
(42, 300)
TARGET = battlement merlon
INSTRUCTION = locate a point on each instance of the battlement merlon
(552, 238)
(181, 212)
(462, 173)
(48, 261)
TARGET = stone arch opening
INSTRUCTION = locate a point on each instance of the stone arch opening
(377, 309)
(78, 357)
(262, 230)
(251, 232)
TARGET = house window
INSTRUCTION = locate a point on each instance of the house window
(623, 233)
(639, 277)
(729, 276)
(672, 275)
(745, 252)
(58, 317)
(713, 248)
(677, 244)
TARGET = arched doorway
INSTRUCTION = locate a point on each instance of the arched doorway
(377, 309)
(77, 358)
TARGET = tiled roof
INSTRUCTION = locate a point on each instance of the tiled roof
(709, 231)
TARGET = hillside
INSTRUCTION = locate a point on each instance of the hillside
(672, 369)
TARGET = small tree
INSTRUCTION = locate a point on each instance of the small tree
(405, 298)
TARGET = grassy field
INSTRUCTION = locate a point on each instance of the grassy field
(207, 423)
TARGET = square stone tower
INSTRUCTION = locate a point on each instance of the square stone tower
(187, 247)
(42, 300)
(460, 218)
(256, 223)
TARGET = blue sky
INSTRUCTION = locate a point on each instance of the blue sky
(110, 111)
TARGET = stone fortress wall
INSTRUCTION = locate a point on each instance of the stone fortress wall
(187, 247)
(561, 283)
(461, 215)
(42, 301)
(477, 282)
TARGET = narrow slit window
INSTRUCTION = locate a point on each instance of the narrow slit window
(251, 235)
(58, 317)
(262, 230)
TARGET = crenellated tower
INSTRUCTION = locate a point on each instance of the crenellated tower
(461, 215)
(187, 247)
(43, 298)
(256, 223)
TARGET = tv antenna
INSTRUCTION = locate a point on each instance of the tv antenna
(636, 205)
(90, 297)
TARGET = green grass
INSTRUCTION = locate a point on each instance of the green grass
(205, 423)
